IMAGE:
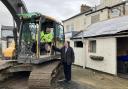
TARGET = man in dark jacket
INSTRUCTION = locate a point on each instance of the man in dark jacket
(67, 58)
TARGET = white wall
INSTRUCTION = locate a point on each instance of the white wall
(78, 23)
(79, 54)
(105, 47)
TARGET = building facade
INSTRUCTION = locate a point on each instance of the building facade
(104, 3)
(104, 46)
(107, 9)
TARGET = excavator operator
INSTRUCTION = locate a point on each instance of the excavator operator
(46, 38)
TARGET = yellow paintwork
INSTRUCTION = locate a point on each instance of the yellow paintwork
(9, 52)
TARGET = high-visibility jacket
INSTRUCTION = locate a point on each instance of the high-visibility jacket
(46, 37)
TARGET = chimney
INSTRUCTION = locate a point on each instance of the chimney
(85, 8)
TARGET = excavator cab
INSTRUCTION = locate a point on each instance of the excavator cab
(31, 49)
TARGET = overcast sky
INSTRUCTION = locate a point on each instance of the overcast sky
(59, 9)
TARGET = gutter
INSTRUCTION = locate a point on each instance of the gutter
(107, 35)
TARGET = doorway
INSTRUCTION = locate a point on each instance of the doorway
(122, 57)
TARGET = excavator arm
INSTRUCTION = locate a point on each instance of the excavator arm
(15, 7)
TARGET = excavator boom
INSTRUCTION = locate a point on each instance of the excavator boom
(15, 7)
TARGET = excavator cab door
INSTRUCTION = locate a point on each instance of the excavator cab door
(59, 35)
(27, 36)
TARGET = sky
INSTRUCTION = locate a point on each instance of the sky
(59, 9)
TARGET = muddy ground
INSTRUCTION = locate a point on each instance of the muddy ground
(81, 79)
(20, 81)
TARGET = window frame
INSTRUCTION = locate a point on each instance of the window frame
(78, 46)
(95, 18)
(72, 27)
(92, 46)
(67, 28)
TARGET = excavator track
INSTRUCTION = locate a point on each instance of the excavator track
(45, 75)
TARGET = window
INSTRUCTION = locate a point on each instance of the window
(67, 28)
(95, 18)
(84, 21)
(115, 12)
(72, 27)
(92, 46)
(78, 44)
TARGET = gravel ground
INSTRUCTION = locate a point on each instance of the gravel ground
(20, 81)
(82, 79)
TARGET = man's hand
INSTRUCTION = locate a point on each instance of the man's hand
(52, 44)
(56, 49)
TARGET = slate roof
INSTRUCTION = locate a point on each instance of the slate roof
(108, 27)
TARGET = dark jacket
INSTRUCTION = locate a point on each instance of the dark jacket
(67, 57)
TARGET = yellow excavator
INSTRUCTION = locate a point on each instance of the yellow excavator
(44, 69)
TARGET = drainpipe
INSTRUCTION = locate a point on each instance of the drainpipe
(109, 13)
(124, 10)
(83, 49)
(83, 36)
